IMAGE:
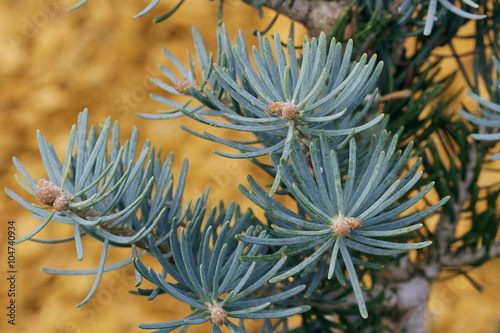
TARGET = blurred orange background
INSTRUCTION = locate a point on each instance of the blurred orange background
(55, 63)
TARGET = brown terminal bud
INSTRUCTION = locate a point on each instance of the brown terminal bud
(219, 316)
(354, 223)
(341, 227)
(290, 111)
(182, 86)
(47, 192)
(60, 203)
(275, 108)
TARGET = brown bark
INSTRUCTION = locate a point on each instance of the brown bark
(315, 15)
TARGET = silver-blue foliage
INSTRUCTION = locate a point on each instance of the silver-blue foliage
(490, 111)
(212, 279)
(284, 97)
(348, 203)
(110, 195)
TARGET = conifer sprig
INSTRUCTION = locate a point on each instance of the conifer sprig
(104, 193)
(349, 203)
(213, 279)
(434, 13)
(280, 100)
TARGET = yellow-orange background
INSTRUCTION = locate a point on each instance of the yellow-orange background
(52, 65)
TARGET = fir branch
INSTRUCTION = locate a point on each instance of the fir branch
(446, 227)
(345, 210)
(213, 280)
(280, 100)
(471, 257)
(104, 194)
